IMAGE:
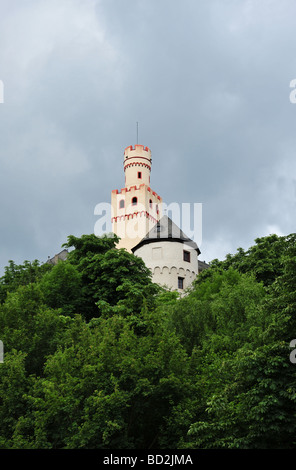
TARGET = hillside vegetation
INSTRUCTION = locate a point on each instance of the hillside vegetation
(97, 356)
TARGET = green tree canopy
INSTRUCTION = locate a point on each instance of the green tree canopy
(97, 356)
(109, 275)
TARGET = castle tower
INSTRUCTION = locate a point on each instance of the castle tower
(136, 208)
(171, 255)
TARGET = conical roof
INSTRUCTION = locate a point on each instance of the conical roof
(166, 230)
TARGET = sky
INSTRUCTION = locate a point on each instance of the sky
(209, 83)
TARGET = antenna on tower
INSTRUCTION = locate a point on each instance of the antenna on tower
(137, 132)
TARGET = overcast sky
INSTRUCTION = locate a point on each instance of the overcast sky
(207, 80)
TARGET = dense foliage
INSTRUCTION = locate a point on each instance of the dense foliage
(97, 356)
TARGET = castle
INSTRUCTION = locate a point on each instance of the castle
(144, 230)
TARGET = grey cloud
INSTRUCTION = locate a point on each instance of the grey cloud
(208, 83)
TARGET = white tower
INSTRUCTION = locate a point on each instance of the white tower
(136, 208)
(171, 255)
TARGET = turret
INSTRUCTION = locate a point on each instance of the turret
(137, 165)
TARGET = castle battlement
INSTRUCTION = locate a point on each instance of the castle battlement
(135, 188)
(137, 147)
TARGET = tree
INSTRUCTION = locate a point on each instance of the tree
(254, 405)
(220, 313)
(264, 259)
(109, 275)
(61, 288)
(21, 275)
(13, 386)
(30, 327)
(97, 356)
(107, 388)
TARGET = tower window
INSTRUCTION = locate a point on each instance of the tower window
(180, 282)
(150, 203)
(139, 174)
(134, 201)
(186, 256)
(157, 210)
(121, 204)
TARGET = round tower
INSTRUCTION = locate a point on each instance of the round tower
(170, 254)
(137, 165)
(136, 207)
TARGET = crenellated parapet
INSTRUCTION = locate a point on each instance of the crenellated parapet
(137, 149)
(123, 191)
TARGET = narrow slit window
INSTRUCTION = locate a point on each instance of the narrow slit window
(139, 174)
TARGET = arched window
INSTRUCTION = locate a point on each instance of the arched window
(134, 201)
(150, 203)
(121, 204)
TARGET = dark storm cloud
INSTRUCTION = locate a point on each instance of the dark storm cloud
(208, 83)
